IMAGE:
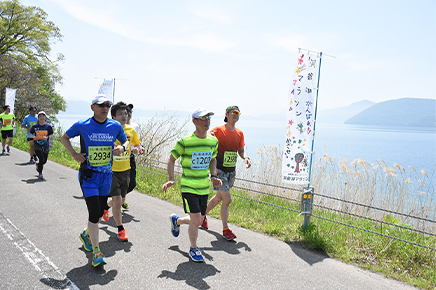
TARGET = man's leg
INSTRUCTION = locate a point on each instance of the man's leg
(227, 199)
(4, 143)
(31, 149)
(194, 221)
(10, 141)
(116, 209)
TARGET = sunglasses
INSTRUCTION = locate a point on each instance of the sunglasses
(107, 105)
(204, 118)
(236, 113)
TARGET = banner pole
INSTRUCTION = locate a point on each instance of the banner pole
(113, 93)
(313, 142)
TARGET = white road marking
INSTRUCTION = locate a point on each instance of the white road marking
(34, 255)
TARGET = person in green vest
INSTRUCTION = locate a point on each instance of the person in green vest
(28, 122)
(8, 124)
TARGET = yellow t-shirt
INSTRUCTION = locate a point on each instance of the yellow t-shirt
(122, 162)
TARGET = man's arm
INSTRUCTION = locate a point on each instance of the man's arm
(241, 152)
(212, 170)
(170, 169)
(79, 157)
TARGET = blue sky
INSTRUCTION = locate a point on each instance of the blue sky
(180, 55)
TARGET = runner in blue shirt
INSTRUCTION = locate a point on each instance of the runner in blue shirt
(41, 132)
(28, 122)
(97, 147)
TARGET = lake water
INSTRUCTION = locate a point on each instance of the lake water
(407, 147)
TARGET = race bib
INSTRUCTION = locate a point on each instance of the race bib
(123, 156)
(230, 159)
(99, 155)
(201, 160)
(7, 121)
(40, 134)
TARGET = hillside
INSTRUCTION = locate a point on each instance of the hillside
(340, 115)
(401, 112)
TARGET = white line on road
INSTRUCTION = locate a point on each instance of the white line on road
(34, 255)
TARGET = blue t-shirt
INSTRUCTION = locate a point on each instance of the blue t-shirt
(40, 131)
(28, 121)
(97, 141)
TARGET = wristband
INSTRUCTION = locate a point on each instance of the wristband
(124, 147)
(213, 176)
(247, 158)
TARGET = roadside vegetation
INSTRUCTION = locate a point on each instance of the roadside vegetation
(279, 217)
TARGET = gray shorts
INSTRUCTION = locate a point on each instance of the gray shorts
(227, 178)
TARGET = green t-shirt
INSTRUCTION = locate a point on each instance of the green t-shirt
(196, 154)
(7, 119)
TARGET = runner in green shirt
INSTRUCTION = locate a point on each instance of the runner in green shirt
(197, 151)
(7, 120)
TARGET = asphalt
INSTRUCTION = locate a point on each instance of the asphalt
(40, 222)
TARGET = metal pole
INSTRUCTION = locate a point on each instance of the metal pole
(306, 220)
(113, 93)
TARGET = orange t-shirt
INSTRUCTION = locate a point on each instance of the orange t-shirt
(228, 144)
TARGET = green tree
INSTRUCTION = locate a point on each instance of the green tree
(25, 63)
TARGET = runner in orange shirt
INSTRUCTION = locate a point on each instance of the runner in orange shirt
(230, 144)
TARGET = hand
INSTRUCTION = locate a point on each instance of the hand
(168, 185)
(135, 150)
(79, 157)
(216, 181)
(118, 149)
(248, 162)
(141, 150)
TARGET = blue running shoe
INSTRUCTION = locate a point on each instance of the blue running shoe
(86, 241)
(195, 255)
(175, 228)
(98, 259)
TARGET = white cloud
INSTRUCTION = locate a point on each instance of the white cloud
(210, 13)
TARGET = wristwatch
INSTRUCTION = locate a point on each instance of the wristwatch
(213, 176)
(124, 147)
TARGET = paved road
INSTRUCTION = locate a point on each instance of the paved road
(40, 222)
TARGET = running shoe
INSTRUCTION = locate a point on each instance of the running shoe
(204, 224)
(228, 235)
(195, 255)
(31, 161)
(98, 259)
(125, 205)
(3, 152)
(40, 176)
(106, 215)
(9, 149)
(35, 158)
(175, 228)
(86, 241)
(122, 236)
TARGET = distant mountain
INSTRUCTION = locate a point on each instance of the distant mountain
(340, 115)
(400, 112)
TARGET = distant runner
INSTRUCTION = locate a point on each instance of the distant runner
(97, 145)
(231, 144)
(8, 124)
(42, 132)
(28, 122)
(197, 151)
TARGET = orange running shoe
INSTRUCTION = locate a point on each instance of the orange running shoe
(204, 224)
(122, 236)
(106, 215)
(228, 234)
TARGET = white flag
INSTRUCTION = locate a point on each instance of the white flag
(106, 88)
(10, 98)
(300, 118)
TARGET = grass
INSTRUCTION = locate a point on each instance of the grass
(399, 260)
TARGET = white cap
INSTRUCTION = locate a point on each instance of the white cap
(42, 112)
(100, 99)
(201, 112)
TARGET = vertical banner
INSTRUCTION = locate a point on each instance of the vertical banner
(300, 118)
(106, 88)
(10, 98)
